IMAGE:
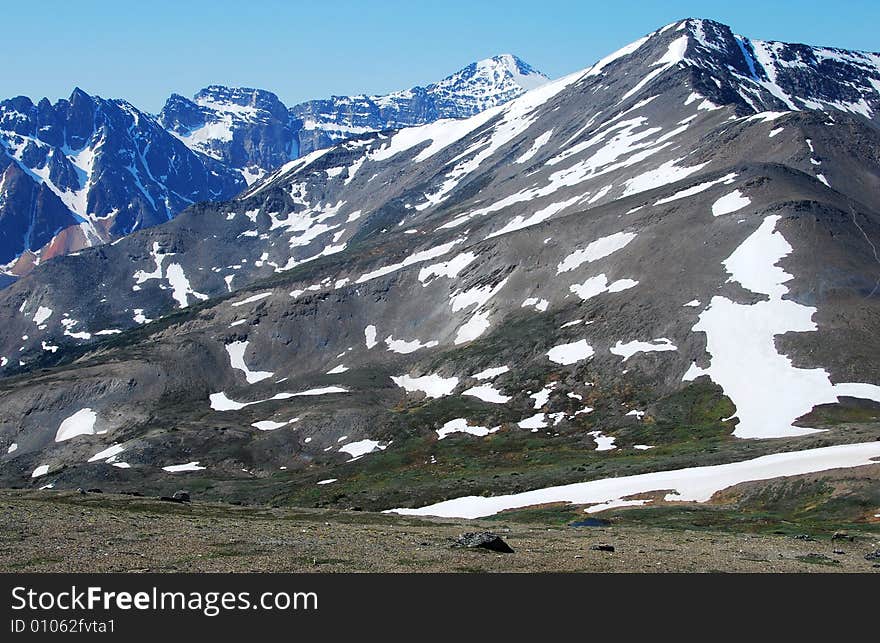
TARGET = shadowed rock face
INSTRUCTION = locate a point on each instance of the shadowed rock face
(246, 129)
(95, 170)
(648, 246)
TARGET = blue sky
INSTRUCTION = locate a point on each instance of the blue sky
(311, 49)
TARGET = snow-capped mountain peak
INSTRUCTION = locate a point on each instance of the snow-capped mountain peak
(484, 84)
(772, 75)
(251, 130)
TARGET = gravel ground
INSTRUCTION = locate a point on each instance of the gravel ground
(68, 532)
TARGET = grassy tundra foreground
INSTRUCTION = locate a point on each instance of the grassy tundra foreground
(50, 531)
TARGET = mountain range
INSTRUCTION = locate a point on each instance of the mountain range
(87, 171)
(642, 283)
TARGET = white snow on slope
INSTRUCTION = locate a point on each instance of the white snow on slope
(472, 328)
(322, 390)
(41, 470)
(461, 425)
(540, 141)
(362, 448)
(404, 347)
(603, 442)
(695, 484)
(417, 257)
(627, 50)
(251, 299)
(42, 315)
(449, 269)
(487, 393)
(599, 284)
(540, 305)
(628, 349)
(370, 336)
(80, 423)
(668, 172)
(595, 250)
(543, 396)
(572, 353)
(696, 189)
(674, 54)
(177, 280)
(109, 452)
(515, 117)
(478, 296)
(535, 422)
(179, 468)
(236, 352)
(268, 425)
(768, 391)
(491, 373)
(221, 402)
(431, 385)
(730, 203)
(180, 285)
(519, 222)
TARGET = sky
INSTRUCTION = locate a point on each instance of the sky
(305, 49)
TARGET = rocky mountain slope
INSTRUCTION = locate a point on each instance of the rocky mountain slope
(660, 270)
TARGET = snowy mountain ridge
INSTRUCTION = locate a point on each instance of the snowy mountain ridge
(88, 170)
(662, 264)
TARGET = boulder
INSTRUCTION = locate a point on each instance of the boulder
(483, 540)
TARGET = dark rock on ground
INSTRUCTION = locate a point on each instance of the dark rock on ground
(483, 540)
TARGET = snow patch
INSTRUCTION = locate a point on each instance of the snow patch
(768, 391)
(572, 353)
(179, 468)
(431, 385)
(695, 484)
(487, 393)
(80, 423)
(236, 352)
(730, 203)
(461, 425)
(596, 250)
(628, 349)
